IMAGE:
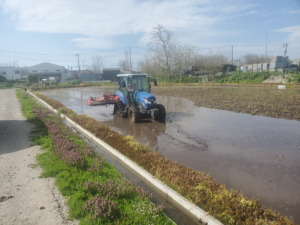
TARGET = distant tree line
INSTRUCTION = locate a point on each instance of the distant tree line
(167, 58)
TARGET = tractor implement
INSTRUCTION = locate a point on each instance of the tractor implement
(105, 100)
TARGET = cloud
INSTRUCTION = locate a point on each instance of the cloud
(93, 42)
(97, 22)
(293, 32)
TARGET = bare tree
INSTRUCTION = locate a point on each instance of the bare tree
(183, 58)
(210, 64)
(150, 65)
(97, 64)
(124, 65)
(254, 59)
(162, 45)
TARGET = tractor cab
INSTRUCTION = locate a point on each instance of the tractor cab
(134, 89)
(134, 82)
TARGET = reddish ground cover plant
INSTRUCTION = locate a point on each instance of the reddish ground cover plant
(107, 196)
(103, 208)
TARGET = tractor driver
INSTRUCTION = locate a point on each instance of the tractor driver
(133, 85)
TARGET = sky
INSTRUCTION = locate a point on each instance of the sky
(65, 31)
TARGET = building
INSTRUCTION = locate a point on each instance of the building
(259, 67)
(46, 70)
(110, 73)
(88, 75)
(14, 73)
(42, 71)
(296, 63)
(279, 62)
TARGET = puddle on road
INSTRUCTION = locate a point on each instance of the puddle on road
(258, 155)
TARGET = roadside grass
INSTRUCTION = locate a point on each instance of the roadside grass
(27, 104)
(229, 206)
(96, 193)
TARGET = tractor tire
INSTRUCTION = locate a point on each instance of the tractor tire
(115, 109)
(120, 109)
(162, 113)
(134, 114)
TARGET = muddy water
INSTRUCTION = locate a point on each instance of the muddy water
(258, 155)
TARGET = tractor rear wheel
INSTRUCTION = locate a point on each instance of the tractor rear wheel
(162, 113)
(134, 114)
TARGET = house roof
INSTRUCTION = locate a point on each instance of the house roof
(111, 69)
(49, 66)
(131, 75)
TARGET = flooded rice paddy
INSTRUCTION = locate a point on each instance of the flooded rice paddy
(260, 156)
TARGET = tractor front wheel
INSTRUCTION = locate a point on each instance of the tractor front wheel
(133, 114)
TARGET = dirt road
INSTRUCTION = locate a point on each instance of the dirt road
(24, 197)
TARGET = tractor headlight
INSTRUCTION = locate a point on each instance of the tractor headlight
(147, 101)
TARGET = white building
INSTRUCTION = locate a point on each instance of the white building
(45, 68)
(42, 71)
(13, 73)
(277, 62)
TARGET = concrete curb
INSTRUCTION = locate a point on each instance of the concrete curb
(190, 209)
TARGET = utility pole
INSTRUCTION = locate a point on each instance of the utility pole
(266, 53)
(285, 50)
(127, 60)
(78, 65)
(130, 66)
(231, 54)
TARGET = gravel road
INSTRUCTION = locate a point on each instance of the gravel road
(24, 197)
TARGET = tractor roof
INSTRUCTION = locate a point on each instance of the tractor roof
(131, 75)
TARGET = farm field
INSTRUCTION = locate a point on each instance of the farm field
(258, 155)
(259, 99)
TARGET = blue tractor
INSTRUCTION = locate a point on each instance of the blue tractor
(135, 99)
